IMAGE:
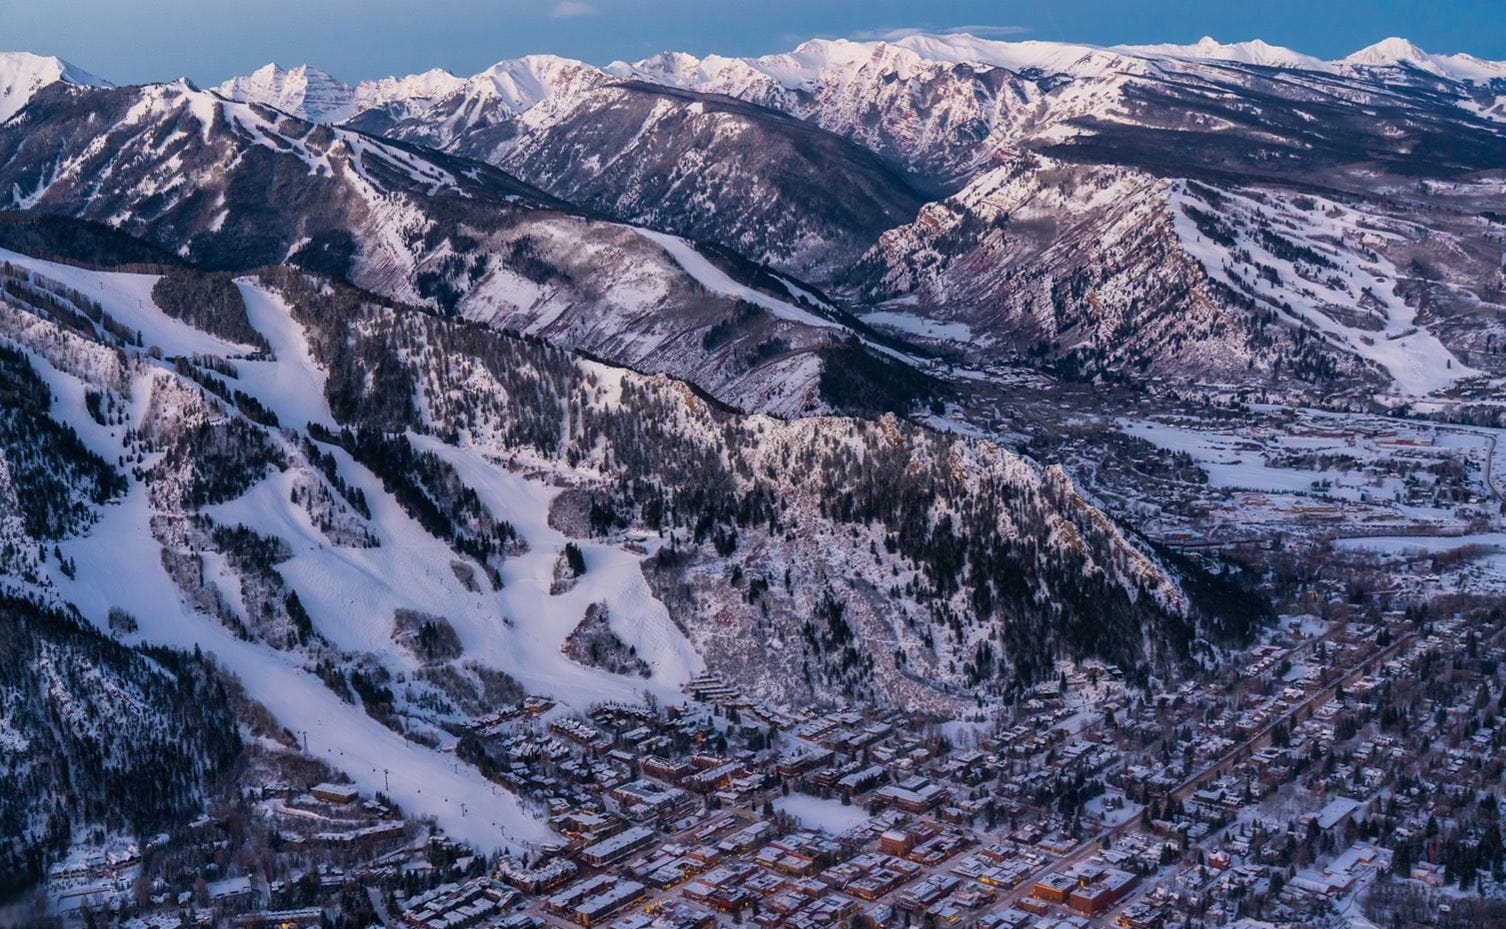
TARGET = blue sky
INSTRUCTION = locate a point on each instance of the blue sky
(208, 40)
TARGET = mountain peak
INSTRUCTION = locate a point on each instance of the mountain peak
(1389, 51)
(22, 74)
(303, 90)
(413, 89)
(1396, 52)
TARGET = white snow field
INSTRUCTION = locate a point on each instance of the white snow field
(22, 74)
(291, 386)
(828, 815)
(115, 570)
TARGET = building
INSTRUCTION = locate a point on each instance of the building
(278, 919)
(1055, 887)
(916, 795)
(859, 781)
(617, 895)
(617, 847)
(896, 842)
(1098, 896)
(644, 800)
(335, 793)
(538, 879)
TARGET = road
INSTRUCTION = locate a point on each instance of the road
(1301, 711)
(379, 905)
(1490, 474)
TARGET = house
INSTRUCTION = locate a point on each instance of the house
(1428, 873)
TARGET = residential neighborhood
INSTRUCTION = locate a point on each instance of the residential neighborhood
(1343, 767)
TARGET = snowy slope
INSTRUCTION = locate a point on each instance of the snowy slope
(410, 223)
(346, 589)
(1324, 263)
(717, 281)
(541, 444)
(22, 74)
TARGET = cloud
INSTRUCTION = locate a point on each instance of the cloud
(571, 9)
(980, 30)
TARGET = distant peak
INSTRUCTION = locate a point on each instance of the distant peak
(303, 90)
(1396, 52)
(1252, 52)
(1393, 50)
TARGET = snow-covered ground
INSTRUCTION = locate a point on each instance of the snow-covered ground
(815, 813)
(910, 324)
(1275, 467)
(292, 386)
(540, 621)
(1233, 461)
(1123, 811)
(1424, 545)
(128, 298)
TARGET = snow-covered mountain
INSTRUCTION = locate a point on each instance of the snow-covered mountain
(940, 104)
(304, 91)
(665, 144)
(290, 476)
(1400, 53)
(402, 96)
(22, 74)
(946, 105)
(191, 171)
(746, 334)
(943, 107)
(813, 67)
(1254, 52)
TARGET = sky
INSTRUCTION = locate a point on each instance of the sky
(131, 41)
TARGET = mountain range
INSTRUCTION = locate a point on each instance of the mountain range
(777, 347)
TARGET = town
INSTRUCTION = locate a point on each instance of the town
(1339, 769)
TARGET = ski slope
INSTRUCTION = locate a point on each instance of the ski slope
(1351, 275)
(350, 593)
(718, 281)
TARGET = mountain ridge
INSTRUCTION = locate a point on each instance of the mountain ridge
(799, 68)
